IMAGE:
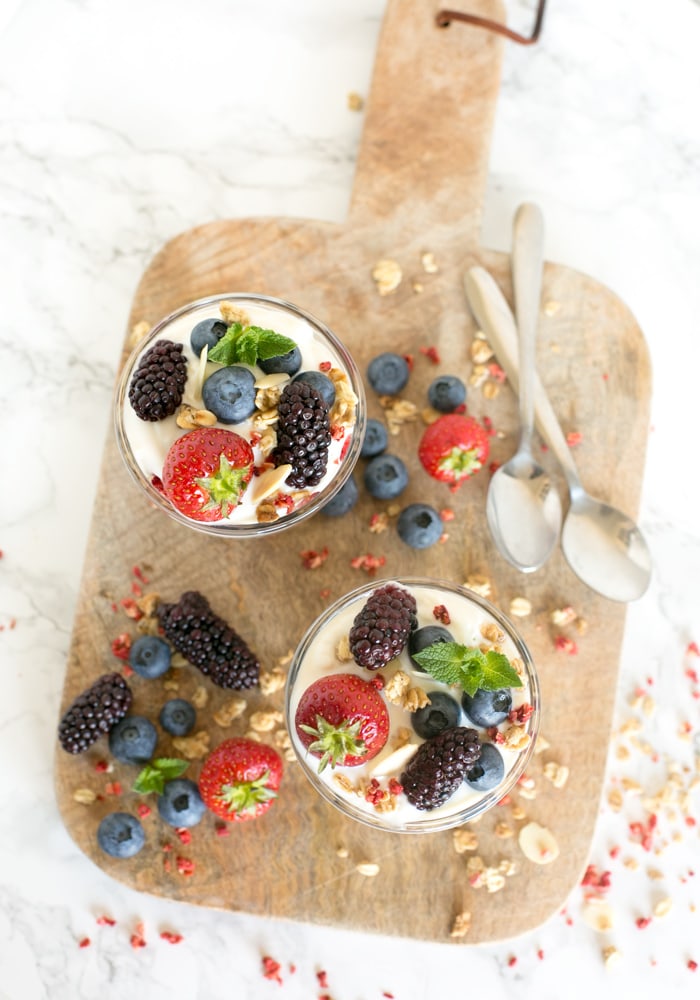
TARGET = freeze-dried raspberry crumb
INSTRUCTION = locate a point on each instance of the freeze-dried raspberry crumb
(521, 714)
(271, 969)
(693, 649)
(222, 830)
(131, 608)
(121, 646)
(325, 366)
(139, 574)
(184, 835)
(378, 682)
(84, 942)
(171, 937)
(337, 432)
(447, 514)
(431, 353)
(143, 810)
(138, 939)
(105, 921)
(642, 922)
(566, 645)
(369, 563)
(101, 766)
(540, 954)
(496, 372)
(441, 614)
(185, 866)
(395, 787)
(573, 438)
(512, 961)
(692, 964)
(311, 559)
(322, 977)
(113, 788)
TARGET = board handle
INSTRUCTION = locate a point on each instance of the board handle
(429, 118)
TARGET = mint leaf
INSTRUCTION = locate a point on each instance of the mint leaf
(224, 353)
(246, 345)
(454, 663)
(271, 344)
(498, 672)
(153, 776)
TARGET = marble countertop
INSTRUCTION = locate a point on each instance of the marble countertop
(122, 125)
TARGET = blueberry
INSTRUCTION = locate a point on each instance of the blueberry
(488, 770)
(289, 363)
(419, 526)
(321, 383)
(181, 804)
(443, 712)
(149, 656)
(446, 393)
(344, 500)
(388, 373)
(385, 477)
(424, 637)
(177, 717)
(375, 440)
(208, 332)
(230, 394)
(120, 835)
(133, 739)
(487, 708)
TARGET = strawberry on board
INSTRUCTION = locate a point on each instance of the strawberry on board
(240, 778)
(206, 472)
(453, 448)
(342, 719)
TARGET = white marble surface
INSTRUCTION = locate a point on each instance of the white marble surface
(122, 124)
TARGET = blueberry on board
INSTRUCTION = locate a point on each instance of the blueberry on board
(487, 708)
(321, 383)
(133, 739)
(180, 803)
(177, 717)
(375, 440)
(443, 712)
(388, 373)
(488, 771)
(446, 393)
(344, 500)
(207, 333)
(419, 525)
(230, 394)
(149, 656)
(385, 477)
(120, 835)
(289, 363)
(426, 636)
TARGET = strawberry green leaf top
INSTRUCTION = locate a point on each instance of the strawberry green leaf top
(153, 776)
(334, 744)
(246, 345)
(468, 666)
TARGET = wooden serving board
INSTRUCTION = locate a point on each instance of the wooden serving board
(420, 180)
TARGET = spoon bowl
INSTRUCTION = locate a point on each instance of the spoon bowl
(523, 510)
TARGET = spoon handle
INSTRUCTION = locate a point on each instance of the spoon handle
(494, 316)
(526, 263)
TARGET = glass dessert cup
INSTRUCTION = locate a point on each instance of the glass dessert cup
(144, 444)
(363, 792)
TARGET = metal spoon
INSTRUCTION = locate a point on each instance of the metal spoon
(603, 546)
(523, 510)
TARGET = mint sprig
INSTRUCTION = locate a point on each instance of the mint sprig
(468, 666)
(249, 344)
(153, 776)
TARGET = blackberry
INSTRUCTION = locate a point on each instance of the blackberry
(93, 712)
(303, 434)
(380, 630)
(439, 766)
(158, 383)
(208, 642)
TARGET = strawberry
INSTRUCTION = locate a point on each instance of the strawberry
(206, 472)
(239, 779)
(342, 719)
(453, 448)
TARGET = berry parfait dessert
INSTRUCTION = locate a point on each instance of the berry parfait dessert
(240, 415)
(412, 705)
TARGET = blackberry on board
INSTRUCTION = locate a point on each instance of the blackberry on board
(157, 385)
(439, 765)
(303, 434)
(94, 712)
(381, 629)
(208, 642)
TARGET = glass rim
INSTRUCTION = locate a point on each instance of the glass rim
(222, 528)
(480, 806)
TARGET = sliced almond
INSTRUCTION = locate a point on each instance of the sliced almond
(268, 483)
(271, 380)
(395, 761)
(598, 915)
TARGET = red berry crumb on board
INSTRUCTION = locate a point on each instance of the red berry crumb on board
(453, 448)
(240, 778)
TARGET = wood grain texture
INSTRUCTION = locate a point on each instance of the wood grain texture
(421, 173)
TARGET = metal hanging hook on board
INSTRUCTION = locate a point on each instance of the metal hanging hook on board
(444, 18)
